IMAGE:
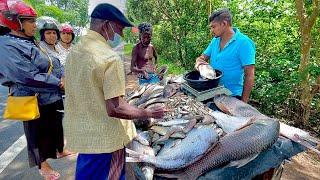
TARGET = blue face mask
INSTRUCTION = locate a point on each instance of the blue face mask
(116, 39)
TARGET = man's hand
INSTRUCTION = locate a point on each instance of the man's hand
(199, 61)
(156, 112)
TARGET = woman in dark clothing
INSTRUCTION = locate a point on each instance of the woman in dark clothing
(3, 30)
(24, 69)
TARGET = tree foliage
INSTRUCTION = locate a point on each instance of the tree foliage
(181, 34)
(73, 11)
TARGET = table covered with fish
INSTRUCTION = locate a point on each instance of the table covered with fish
(193, 141)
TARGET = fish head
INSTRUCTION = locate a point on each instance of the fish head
(224, 103)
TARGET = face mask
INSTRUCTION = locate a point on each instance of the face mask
(116, 39)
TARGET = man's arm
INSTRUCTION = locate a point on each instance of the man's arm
(248, 82)
(155, 55)
(117, 107)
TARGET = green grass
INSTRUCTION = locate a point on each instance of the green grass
(128, 49)
(174, 68)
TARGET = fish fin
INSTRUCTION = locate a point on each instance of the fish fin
(247, 124)
(132, 153)
(132, 159)
(242, 162)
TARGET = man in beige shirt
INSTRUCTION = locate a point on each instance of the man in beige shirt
(95, 85)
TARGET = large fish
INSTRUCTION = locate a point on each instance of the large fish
(190, 149)
(252, 139)
(147, 169)
(229, 123)
(236, 107)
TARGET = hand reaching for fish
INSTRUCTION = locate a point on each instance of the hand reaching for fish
(155, 112)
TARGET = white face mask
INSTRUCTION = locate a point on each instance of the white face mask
(116, 39)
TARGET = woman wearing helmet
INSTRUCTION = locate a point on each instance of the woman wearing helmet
(64, 45)
(49, 36)
(24, 69)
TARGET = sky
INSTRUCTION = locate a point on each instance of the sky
(118, 3)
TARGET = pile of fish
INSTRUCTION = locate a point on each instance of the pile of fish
(192, 139)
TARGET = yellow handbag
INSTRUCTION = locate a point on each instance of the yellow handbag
(23, 108)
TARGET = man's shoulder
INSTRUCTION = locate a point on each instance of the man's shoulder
(243, 37)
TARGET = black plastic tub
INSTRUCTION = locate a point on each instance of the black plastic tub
(195, 81)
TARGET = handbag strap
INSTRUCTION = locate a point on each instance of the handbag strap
(49, 59)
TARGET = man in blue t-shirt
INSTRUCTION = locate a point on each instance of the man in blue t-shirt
(231, 52)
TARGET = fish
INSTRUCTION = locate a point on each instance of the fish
(160, 130)
(147, 169)
(133, 101)
(207, 119)
(153, 101)
(143, 137)
(137, 93)
(229, 123)
(156, 105)
(155, 137)
(300, 136)
(249, 140)
(169, 90)
(191, 148)
(173, 122)
(235, 107)
(146, 96)
(207, 72)
(168, 144)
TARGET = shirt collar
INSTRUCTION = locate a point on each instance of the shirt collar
(235, 35)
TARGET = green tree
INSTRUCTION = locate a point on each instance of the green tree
(73, 11)
(181, 33)
(310, 83)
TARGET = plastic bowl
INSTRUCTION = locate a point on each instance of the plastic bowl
(195, 81)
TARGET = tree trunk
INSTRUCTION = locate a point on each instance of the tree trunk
(306, 92)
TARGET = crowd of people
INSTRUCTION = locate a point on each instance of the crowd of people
(97, 120)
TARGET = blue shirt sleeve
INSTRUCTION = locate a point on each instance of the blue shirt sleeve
(209, 49)
(17, 68)
(247, 52)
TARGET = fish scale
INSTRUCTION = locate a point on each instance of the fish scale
(238, 145)
(196, 143)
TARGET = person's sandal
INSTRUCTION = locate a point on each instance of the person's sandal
(65, 153)
(52, 175)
